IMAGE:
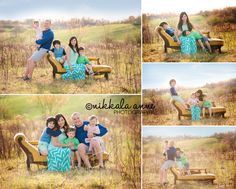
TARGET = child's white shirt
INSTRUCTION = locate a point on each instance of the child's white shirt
(39, 33)
(193, 101)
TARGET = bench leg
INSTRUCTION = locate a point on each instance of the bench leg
(106, 76)
(165, 49)
(28, 164)
(179, 117)
(53, 75)
(220, 49)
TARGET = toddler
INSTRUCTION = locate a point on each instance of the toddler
(74, 150)
(38, 31)
(82, 59)
(92, 130)
(207, 104)
(182, 162)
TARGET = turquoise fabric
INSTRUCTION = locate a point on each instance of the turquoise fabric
(59, 157)
(78, 72)
(195, 112)
(188, 45)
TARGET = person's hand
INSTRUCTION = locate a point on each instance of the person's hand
(178, 41)
(188, 32)
(71, 68)
(71, 145)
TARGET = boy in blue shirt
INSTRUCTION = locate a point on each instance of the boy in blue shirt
(168, 30)
(58, 52)
(50, 130)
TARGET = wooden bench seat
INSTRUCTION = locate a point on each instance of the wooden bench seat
(33, 156)
(98, 69)
(216, 110)
(196, 175)
(170, 43)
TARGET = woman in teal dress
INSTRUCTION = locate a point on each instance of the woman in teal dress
(73, 71)
(59, 153)
(185, 36)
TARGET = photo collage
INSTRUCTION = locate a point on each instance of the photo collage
(125, 94)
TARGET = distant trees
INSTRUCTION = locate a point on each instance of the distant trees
(221, 17)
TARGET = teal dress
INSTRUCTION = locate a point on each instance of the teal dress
(188, 43)
(59, 157)
(78, 72)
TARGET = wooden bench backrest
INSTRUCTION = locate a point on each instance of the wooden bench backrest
(169, 41)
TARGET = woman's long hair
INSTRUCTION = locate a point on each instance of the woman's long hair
(200, 98)
(180, 24)
(66, 126)
(76, 45)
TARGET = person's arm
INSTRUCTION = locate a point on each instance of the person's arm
(177, 33)
(51, 52)
(68, 57)
(86, 127)
(87, 60)
(96, 130)
(45, 39)
(103, 130)
(56, 143)
(76, 142)
(53, 133)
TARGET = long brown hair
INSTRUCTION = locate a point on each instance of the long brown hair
(66, 126)
(76, 45)
(180, 24)
(200, 98)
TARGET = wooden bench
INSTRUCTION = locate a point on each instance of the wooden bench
(216, 110)
(33, 156)
(196, 175)
(170, 43)
(98, 69)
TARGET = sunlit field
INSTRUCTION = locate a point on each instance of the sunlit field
(215, 153)
(117, 45)
(218, 23)
(123, 170)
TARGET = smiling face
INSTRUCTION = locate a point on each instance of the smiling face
(73, 42)
(51, 125)
(47, 24)
(76, 120)
(93, 122)
(61, 122)
(57, 45)
(184, 18)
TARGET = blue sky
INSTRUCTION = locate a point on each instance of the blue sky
(187, 75)
(189, 6)
(180, 131)
(58, 9)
